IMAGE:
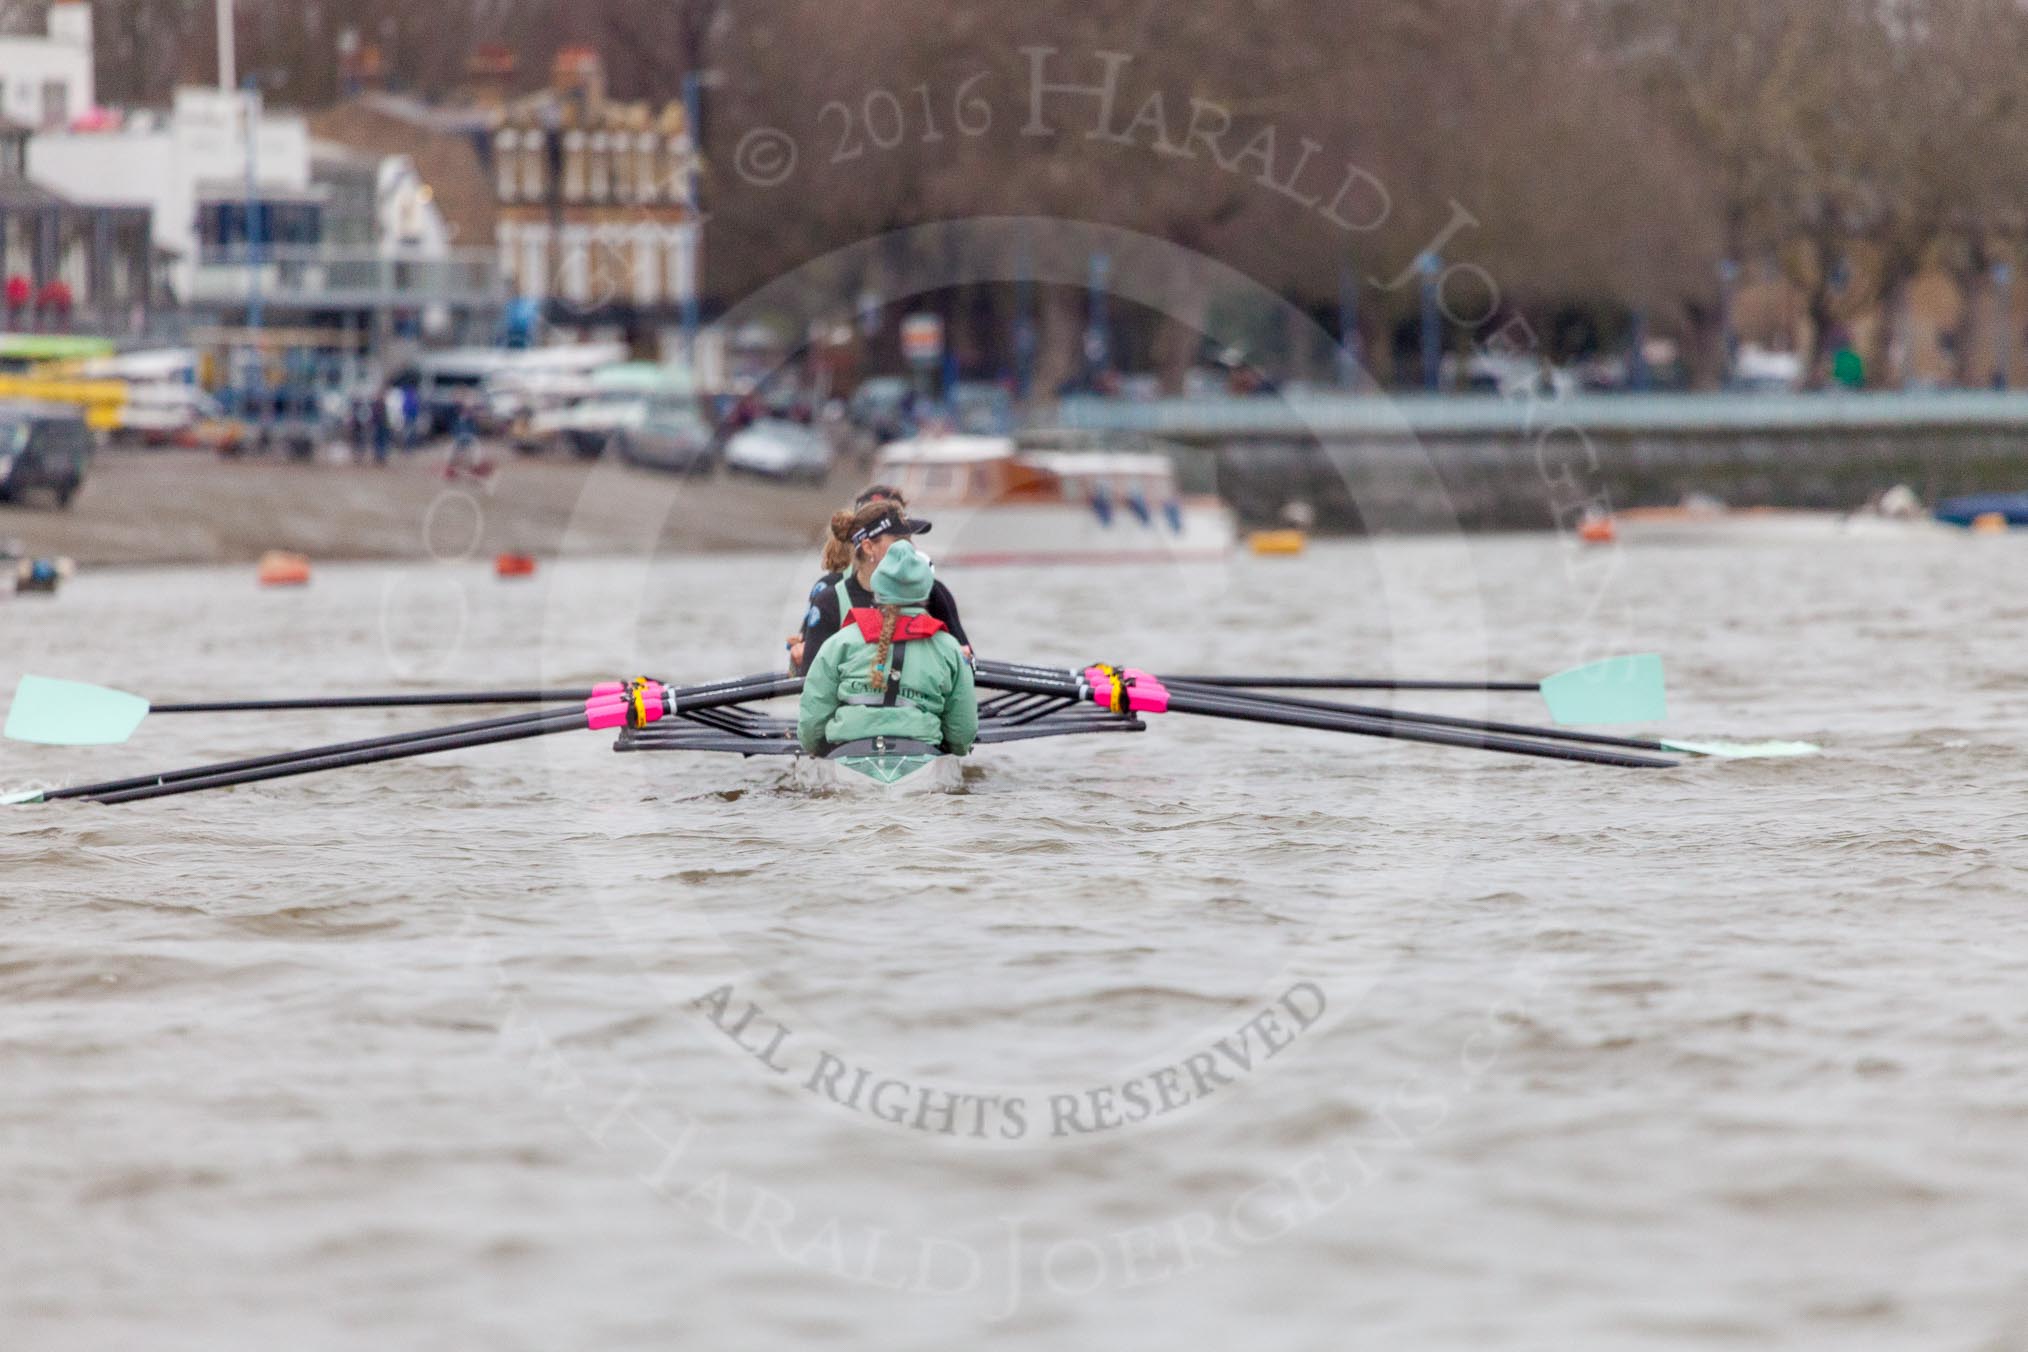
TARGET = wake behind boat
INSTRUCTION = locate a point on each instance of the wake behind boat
(1704, 520)
(900, 771)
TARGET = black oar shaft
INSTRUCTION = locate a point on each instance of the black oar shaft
(768, 685)
(1435, 720)
(1524, 730)
(419, 701)
(285, 757)
(1351, 683)
(403, 745)
(1037, 681)
(1189, 702)
(542, 727)
(424, 700)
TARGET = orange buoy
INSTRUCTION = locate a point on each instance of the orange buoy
(1598, 530)
(1284, 542)
(514, 565)
(279, 568)
(1990, 523)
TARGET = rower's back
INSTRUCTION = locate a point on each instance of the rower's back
(891, 673)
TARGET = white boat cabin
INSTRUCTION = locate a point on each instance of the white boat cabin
(999, 504)
(973, 471)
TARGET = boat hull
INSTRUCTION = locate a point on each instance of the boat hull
(879, 775)
(1018, 533)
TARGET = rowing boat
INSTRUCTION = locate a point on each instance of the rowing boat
(1019, 704)
(880, 765)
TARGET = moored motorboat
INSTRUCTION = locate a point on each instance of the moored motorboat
(995, 503)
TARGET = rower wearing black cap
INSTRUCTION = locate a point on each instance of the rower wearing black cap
(859, 541)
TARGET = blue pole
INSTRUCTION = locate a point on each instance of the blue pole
(2003, 332)
(1024, 326)
(1639, 377)
(1348, 326)
(1099, 338)
(1728, 282)
(254, 242)
(1431, 268)
(693, 103)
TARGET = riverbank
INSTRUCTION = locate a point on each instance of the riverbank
(145, 507)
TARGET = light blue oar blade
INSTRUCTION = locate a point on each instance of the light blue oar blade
(1617, 690)
(1745, 750)
(71, 713)
(17, 799)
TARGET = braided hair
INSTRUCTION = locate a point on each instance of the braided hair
(890, 617)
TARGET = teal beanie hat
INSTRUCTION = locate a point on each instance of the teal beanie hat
(903, 577)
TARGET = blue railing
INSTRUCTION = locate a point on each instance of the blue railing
(1345, 416)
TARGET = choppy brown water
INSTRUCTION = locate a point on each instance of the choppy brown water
(411, 1056)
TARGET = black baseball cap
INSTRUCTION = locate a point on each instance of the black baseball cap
(890, 522)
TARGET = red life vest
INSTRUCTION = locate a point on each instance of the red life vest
(908, 627)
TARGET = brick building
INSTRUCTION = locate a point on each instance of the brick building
(591, 195)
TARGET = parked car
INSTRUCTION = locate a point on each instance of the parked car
(624, 397)
(882, 409)
(45, 448)
(673, 437)
(157, 414)
(778, 449)
(441, 381)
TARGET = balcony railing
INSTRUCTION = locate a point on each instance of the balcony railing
(313, 278)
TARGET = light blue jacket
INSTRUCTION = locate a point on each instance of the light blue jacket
(937, 702)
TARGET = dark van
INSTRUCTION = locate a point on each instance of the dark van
(45, 448)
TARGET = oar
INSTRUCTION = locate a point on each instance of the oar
(544, 726)
(418, 701)
(275, 759)
(1186, 701)
(1352, 683)
(428, 700)
(1723, 750)
(598, 713)
(1616, 690)
(73, 713)
(1716, 750)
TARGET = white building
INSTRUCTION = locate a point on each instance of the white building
(47, 81)
(190, 167)
(409, 219)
